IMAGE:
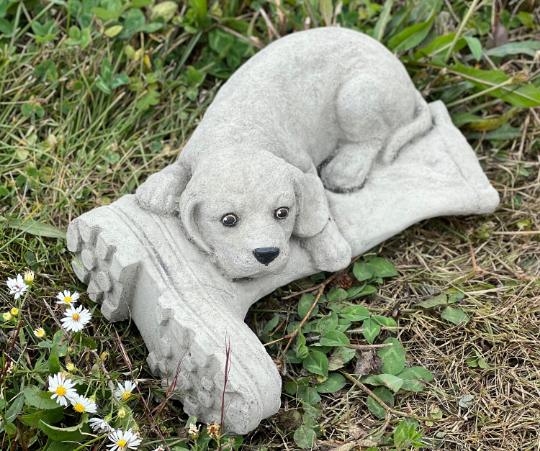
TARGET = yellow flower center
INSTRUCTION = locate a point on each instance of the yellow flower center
(122, 443)
(76, 317)
(60, 391)
(79, 408)
(126, 395)
(67, 299)
(14, 311)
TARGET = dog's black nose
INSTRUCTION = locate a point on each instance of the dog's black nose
(266, 255)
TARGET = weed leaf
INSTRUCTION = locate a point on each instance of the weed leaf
(362, 271)
(385, 396)
(316, 363)
(305, 437)
(334, 338)
(416, 372)
(371, 330)
(334, 383)
(393, 357)
(37, 228)
(456, 316)
(410, 37)
(382, 267)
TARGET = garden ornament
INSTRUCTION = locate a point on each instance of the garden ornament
(314, 151)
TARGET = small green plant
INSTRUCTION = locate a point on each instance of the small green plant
(323, 346)
(106, 82)
(406, 436)
(44, 32)
(477, 360)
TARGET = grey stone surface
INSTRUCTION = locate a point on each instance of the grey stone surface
(324, 127)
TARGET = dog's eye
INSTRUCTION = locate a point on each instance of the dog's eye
(229, 220)
(282, 212)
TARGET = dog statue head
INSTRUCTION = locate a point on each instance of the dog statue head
(242, 209)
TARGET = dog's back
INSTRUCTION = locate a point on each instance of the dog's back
(283, 99)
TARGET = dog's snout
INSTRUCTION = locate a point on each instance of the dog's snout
(266, 255)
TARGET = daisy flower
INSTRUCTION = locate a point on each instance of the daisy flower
(14, 311)
(66, 298)
(125, 391)
(122, 441)
(99, 425)
(29, 277)
(40, 332)
(83, 405)
(17, 286)
(194, 431)
(62, 388)
(76, 318)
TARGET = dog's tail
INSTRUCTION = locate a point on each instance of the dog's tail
(420, 125)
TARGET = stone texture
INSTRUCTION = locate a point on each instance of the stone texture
(326, 102)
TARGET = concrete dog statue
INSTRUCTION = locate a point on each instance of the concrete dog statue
(326, 101)
(327, 105)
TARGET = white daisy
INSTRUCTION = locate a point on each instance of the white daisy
(123, 440)
(100, 425)
(194, 431)
(66, 298)
(40, 332)
(62, 388)
(76, 318)
(29, 277)
(125, 391)
(83, 405)
(17, 286)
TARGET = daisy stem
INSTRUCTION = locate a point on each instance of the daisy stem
(110, 383)
(80, 448)
(22, 301)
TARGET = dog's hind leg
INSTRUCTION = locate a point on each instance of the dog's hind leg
(361, 105)
(348, 170)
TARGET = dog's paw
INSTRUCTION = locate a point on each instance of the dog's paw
(161, 191)
(329, 250)
(155, 196)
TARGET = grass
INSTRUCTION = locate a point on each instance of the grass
(77, 133)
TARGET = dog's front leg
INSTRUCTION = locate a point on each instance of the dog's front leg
(330, 251)
(316, 227)
(161, 191)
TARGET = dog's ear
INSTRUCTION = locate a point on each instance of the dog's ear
(312, 212)
(188, 206)
(161, 192)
